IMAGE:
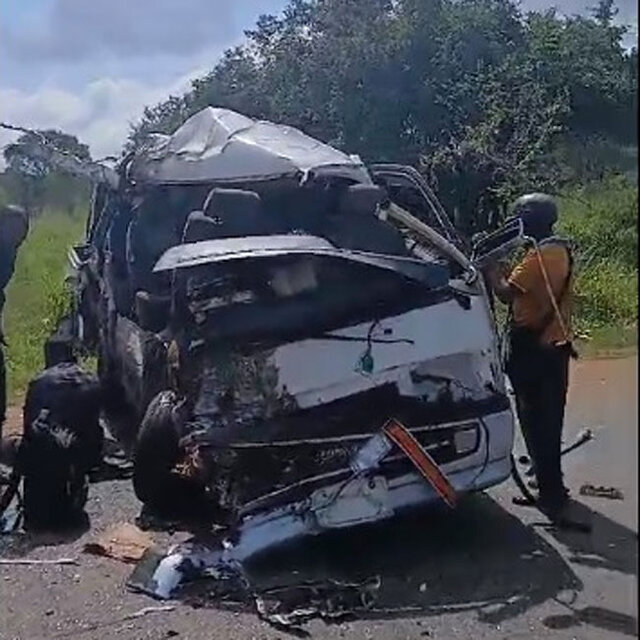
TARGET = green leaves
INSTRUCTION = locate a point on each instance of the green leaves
(478, 94)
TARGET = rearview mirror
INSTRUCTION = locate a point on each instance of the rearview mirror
(495, 246)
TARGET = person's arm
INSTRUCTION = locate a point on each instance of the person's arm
(521, 280)
(504, 290)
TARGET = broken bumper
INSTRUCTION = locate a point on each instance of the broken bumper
(360, 500)
(374, 498)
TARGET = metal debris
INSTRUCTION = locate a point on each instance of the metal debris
(331, 600)
(613, 493)
(584, 436)
(30, 562)
(147, 610)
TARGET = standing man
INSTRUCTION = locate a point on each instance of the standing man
(539, 292)
(14, 226)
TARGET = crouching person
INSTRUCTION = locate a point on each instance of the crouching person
(62, 442)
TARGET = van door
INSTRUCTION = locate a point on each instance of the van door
(408, 189)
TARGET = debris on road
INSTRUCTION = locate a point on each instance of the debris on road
(8, 562)
(330, 600)
(226, 580)
(613, 493)
(584, 436)
(148, 610)
(121, 542)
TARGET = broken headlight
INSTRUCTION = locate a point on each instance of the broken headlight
(465, 440)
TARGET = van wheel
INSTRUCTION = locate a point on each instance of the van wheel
(157, 451)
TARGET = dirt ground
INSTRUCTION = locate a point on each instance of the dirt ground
(488, 570)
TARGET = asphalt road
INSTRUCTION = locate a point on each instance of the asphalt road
(488, 570)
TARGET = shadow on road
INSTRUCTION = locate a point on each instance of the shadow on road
(599, 617)
(478, 557)
(19, 544)
(609, 546)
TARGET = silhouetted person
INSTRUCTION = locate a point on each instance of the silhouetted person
(14, 226)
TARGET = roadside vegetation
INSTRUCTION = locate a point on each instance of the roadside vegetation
(602, 220)
(36, 296)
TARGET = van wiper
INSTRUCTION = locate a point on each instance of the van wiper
(369, 339)
(329, 336)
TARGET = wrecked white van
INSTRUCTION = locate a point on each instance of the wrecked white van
(265, 304)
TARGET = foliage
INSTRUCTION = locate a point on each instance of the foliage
(601, 218)
(33, 179)
(478, 94)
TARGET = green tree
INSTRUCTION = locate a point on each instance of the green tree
(485, 99)
(31, 163)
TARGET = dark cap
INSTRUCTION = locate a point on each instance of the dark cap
(538, 209)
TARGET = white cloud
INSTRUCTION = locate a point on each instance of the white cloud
(98, 115)
(67, 29)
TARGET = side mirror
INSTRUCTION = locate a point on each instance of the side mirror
(492, 247)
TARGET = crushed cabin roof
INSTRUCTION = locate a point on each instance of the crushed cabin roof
(219, 145)
(194, 254)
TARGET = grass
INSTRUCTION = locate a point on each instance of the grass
(601, 219)
(36, 296)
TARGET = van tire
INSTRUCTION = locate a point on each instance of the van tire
(157, 451)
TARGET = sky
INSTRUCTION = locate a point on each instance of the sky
(89, 67)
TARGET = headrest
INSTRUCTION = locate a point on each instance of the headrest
(361, 199)
(199, 227)
(238, 213)
(226, 203)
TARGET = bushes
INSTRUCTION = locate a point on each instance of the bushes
(601, 218)
(606, 295)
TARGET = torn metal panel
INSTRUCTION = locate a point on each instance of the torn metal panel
(219, 145)
(261, 248)
(289, 607)
(274, 425)
(425, 354)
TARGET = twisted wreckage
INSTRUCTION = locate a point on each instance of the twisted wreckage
(264, 304)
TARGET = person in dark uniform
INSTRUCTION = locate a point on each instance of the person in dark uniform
(539, 292)
(14, 226)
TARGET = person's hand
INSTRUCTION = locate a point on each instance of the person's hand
(494, 271)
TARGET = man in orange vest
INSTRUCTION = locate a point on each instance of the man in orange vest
(539, 292)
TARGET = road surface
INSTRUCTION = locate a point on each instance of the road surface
(488, 570)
